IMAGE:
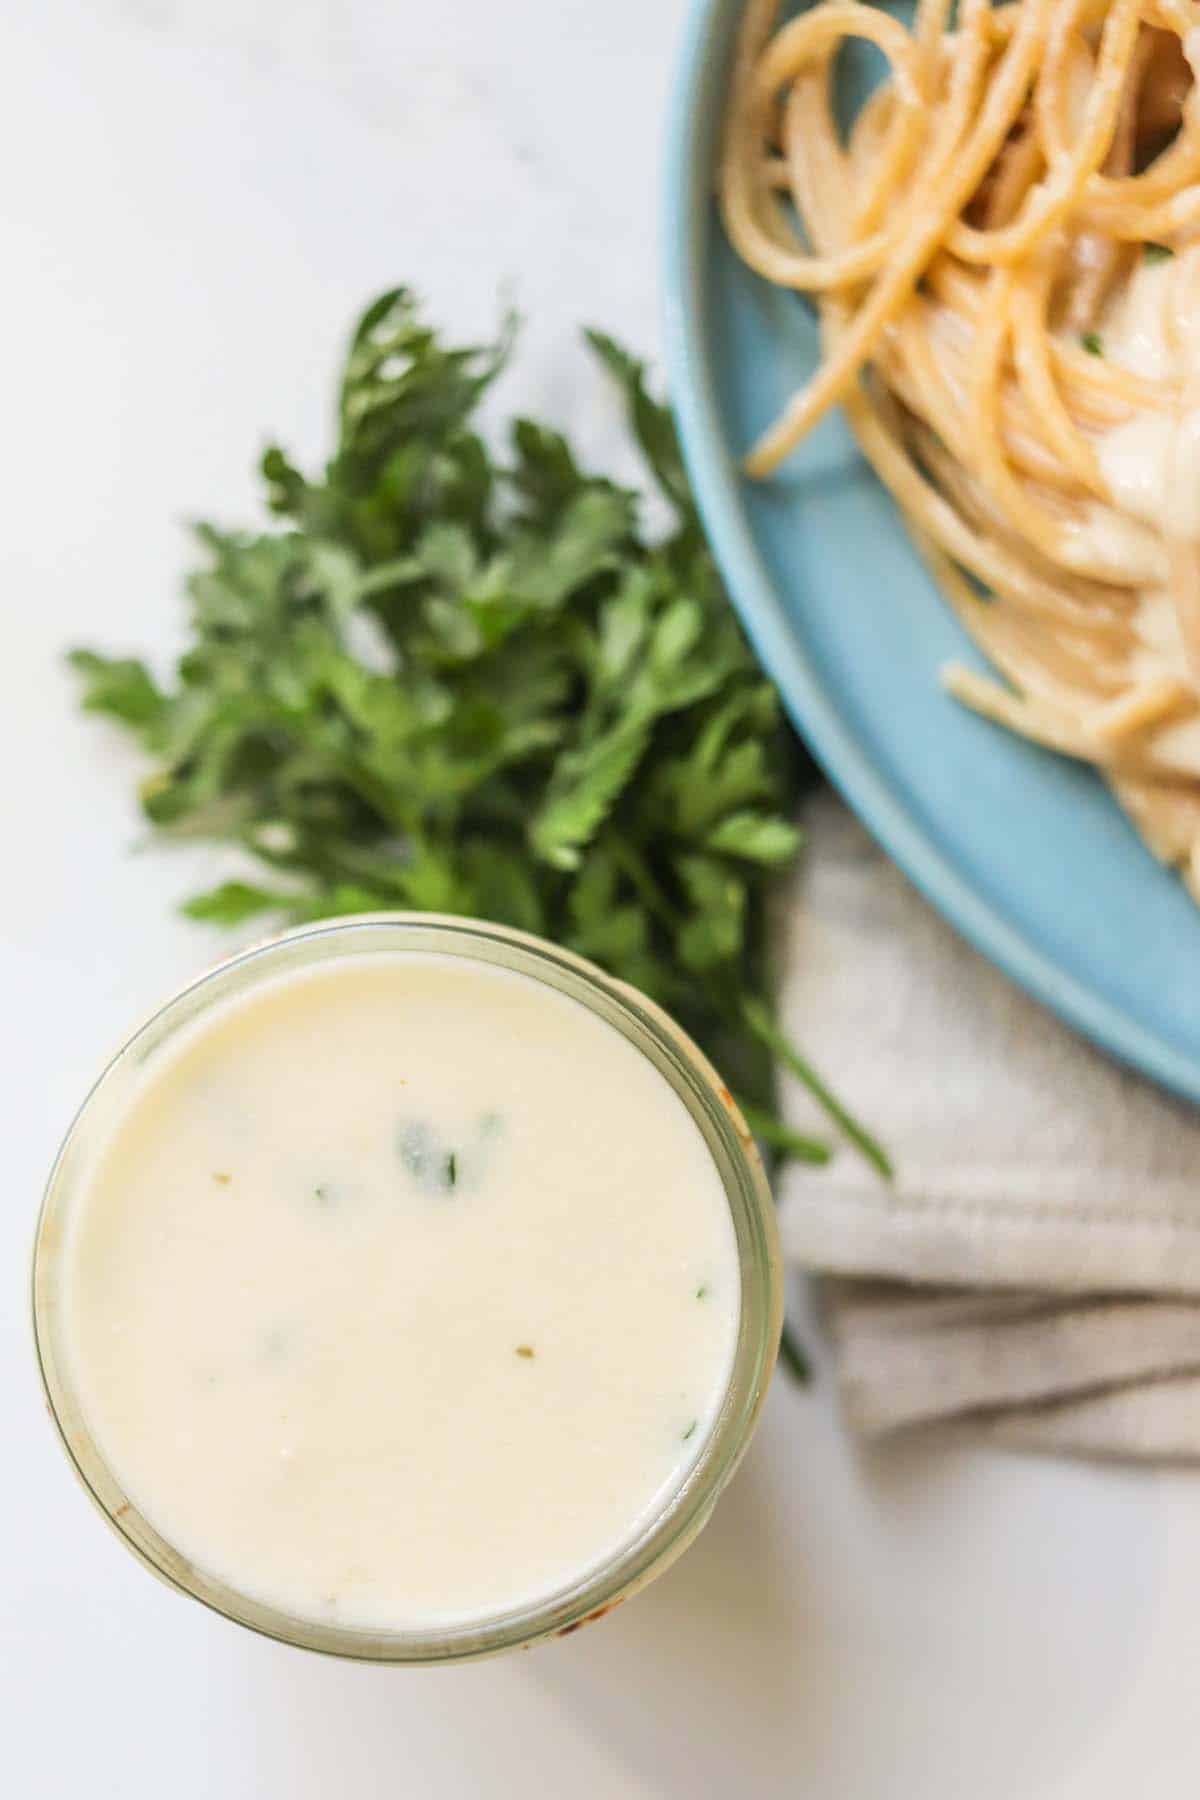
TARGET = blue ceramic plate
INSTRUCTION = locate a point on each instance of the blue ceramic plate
(1026, 853)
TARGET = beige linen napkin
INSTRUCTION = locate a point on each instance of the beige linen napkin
(1035, 1268)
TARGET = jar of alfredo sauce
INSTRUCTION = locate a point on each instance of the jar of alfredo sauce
(407, 1289)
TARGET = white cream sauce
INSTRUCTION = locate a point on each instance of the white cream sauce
(403, 1291)
(1152, 460)
(1151, 464)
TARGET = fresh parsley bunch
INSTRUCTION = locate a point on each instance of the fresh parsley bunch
(464, 683)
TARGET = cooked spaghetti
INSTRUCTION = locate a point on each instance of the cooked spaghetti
(1004, 251)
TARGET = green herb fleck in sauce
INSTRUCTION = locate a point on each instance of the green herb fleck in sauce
(1092, 343)
(413, 1144)
(703, 1291)
(437, 1166)
(691, 1428)
(1156, 253)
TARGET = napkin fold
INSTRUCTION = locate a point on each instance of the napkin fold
(1034, 1270)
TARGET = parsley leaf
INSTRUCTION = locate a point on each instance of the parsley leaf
(124, 689)
(458, 681)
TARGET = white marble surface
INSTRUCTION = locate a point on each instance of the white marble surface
(198, 194)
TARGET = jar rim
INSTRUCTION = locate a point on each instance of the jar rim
(685, 1507)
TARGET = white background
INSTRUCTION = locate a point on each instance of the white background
(198, 194)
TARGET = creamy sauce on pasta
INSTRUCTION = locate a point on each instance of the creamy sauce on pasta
(402, 1292)
(1151, 461)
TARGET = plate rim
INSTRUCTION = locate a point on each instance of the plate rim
(684, 208)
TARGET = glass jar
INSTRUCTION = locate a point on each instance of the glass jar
(677, 1059)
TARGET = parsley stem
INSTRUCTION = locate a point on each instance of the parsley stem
(397, 572)
(759, 1019)
(791, 1145)
(793, 1356)
(633, 864)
